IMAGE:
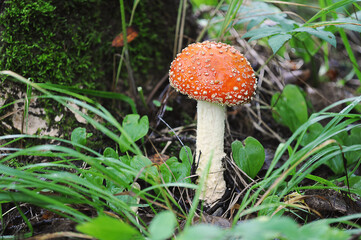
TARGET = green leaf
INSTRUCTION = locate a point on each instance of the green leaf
(267, 211)
(249, 157)
(135, 129)
(175, 171)
(198, 3)
(336, 164)
(144, 166)
(351, 27)
(355, 184)
(330, 8)
(178, 171)
(108, 228)
(79, 136)
(262, 32)
(305, 47)
(202, 232)
(72, 91)
(325, 35)
(353, 139)
(162, 226)
(263, 228)
(158, 104)
(312, 133)
(185, 155)
(125, 176)
(94, 177)
(277, 41)
(321, 230)
(111, 153)
(166, 173)
(349, 23)
(290, 107)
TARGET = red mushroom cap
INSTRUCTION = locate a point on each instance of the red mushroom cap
(213, 72)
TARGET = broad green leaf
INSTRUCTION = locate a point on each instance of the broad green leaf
(166, 173)
(167, 169)
(125, 176)
(108, 228)
(305, 47)
(336, 164)
(202, 232)
(249, 157)
(94, 177)
(144, 166)
(135, 128)
(290, 107)
(312, 133)
(179, 171)
(272, 228)
(349, 23)
(325, 35)
(162, 226)
(321, 230)
(341, 137)
(79, 136)
(254, 22)
(111, 153)
(351, 27)
(355, 184)
(353, 139)
(175, 171)
(128, 199)
(283, 21)
(262, 32)
(185, 155)
(277, 41)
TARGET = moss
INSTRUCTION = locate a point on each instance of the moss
(69, 42)
(52, 41)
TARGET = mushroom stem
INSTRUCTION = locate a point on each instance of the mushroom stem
(210, 147)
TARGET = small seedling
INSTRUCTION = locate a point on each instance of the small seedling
(249, 156)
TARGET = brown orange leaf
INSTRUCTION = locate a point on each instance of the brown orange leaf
(158, 159)
(118, 41)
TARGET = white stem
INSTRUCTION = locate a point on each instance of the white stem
(210, 147)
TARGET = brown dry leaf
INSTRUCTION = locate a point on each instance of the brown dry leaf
(158, 158)
(329, 201)
(296, 200)
(60, 235)
(118, 41)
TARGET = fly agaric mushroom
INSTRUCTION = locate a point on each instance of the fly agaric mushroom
(216, 75)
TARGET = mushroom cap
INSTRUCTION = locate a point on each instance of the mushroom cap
(213, 72)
